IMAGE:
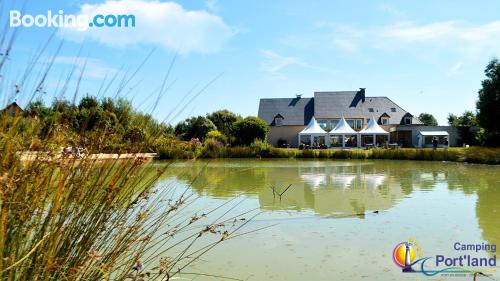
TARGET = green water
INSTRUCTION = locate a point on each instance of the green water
(340, 220)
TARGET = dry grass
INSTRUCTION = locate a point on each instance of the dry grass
(65, 218)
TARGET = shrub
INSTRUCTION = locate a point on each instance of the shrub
(194, 127)
(224, 120)
(250, 129)
(260, 148)
(283, 153)
(212, 148)
(218, 136)
(307, 153)
(482, 155)
(179, 150)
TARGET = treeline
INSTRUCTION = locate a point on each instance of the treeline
(108, 125)
(223, 126)
(105, 124)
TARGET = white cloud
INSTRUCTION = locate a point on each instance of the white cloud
(419, 33)
(274, 63)
(211, 5)
(94, 68)
(347, 37)
(166, 24)
(450, 36)
(295, 42)
(455, 68)
(390, 9)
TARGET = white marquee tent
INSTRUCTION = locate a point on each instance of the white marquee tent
(374, 130)
(343, 129)
(313, 131)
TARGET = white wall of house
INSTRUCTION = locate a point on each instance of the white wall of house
(288, 133)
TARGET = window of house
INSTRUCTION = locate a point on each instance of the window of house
(370, 109)
(385, 121)
(278, 121)
(393, 109)
(407, 120)
(350, 122)
(324, 124)
(333, 123)
(359, 124)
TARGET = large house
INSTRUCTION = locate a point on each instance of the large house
(339, 118)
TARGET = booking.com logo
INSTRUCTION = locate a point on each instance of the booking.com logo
(60, 19)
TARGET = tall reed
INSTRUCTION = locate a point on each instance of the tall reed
(65, 217)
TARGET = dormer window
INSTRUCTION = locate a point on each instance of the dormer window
(407, 120)
(278, 120)
(384, 120)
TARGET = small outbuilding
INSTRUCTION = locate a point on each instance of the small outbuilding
(424, 138)
(12, 110)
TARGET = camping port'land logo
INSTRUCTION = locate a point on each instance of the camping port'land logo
(478, 259)
(404, 254)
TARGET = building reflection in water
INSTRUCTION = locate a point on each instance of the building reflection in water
(330, 188)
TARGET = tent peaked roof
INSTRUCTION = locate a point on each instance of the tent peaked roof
(342, 128)
(372, 128)
(312, 128)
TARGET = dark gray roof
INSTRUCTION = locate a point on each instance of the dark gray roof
(328, 105)
(295, 111)
(353, 104)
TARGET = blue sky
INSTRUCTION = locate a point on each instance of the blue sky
(427, 56)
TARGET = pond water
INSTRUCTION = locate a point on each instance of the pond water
(340, 220)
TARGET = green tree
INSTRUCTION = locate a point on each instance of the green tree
(108, 104)
(66, 114)
(194, 127)
(135, 135)
(124, 112)
(38, 109)
(427, 119)
(88, 102)
(224, 120)
(465, 124)
(250, 129)
(488, 105)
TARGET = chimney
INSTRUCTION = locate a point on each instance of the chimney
(299, 96)
(361, 94)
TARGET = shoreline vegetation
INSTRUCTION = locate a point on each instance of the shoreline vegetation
(113, 129)
(258, 149)
(475, 155)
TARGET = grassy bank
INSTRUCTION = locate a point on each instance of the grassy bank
(261, 150)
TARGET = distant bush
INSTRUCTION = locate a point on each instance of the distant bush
(212, 148)
(218, 136)
(482, 155)
(260, 148)
(194, 127)
(283, 153)
(250, 129)
(174, 149)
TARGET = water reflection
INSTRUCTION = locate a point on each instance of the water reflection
(330, 188)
